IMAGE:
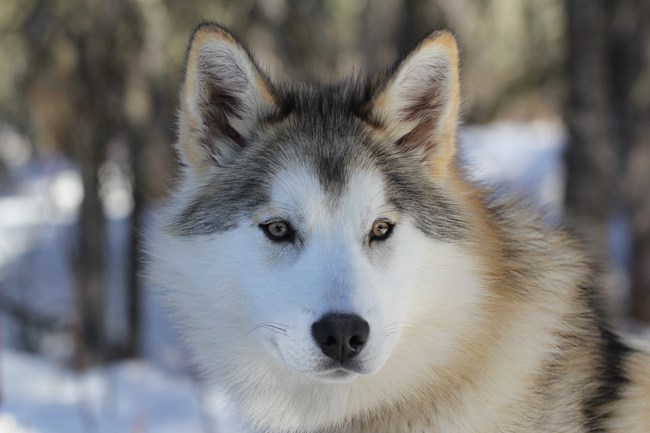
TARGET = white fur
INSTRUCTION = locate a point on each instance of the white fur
(223, 287)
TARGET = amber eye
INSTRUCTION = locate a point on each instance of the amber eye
(278, 231)
(381, 230)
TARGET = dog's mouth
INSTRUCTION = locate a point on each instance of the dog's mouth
(339, 372)
(336, 375)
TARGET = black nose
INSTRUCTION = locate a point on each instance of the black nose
(341, 336)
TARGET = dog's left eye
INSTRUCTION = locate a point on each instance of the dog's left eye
(381, 230)
(278, 231)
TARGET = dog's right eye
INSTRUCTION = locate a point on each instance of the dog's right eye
(381, 230)
(278, 231)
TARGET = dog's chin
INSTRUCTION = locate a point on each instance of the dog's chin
(336, 375)
(336, 372)
(329, 371)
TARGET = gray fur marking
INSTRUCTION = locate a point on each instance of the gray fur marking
(323, 130)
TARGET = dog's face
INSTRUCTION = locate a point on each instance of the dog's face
(322, 274)
(328, 277)
(315, 225)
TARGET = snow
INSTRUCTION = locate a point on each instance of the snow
(135, 396)
(523, 158)
(155, 395)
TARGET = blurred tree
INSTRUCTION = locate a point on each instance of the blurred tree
(417, 18)
(105, 46)
(591, 159)
(633, 21)
(608, 159)
(78, 75)
(67, 86)
(78, 55)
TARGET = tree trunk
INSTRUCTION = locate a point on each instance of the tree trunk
(608, 158)
(591, 157)
(98, 98)
(637, 182)
(90, 257)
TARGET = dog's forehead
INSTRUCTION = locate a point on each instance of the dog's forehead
(303, 190)
(329, 157)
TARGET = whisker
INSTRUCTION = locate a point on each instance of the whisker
(278, 328)
(376, 307)
(254, 328)
(304, 307)
(396, 327)
(386, 334)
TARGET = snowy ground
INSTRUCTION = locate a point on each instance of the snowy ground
(37, 220)
(135, 396)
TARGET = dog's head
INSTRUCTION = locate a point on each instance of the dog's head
(316, 226)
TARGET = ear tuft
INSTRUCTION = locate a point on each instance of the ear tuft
(223, 97)
(420, 102)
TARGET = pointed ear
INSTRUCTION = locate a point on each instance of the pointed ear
(223, 97)
(419, 104)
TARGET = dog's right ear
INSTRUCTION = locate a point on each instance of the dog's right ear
(223, 97)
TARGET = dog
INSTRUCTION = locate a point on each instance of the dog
(331, 266)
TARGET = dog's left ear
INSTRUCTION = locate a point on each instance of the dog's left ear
(418, 105)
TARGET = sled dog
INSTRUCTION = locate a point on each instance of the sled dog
(332, 267)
